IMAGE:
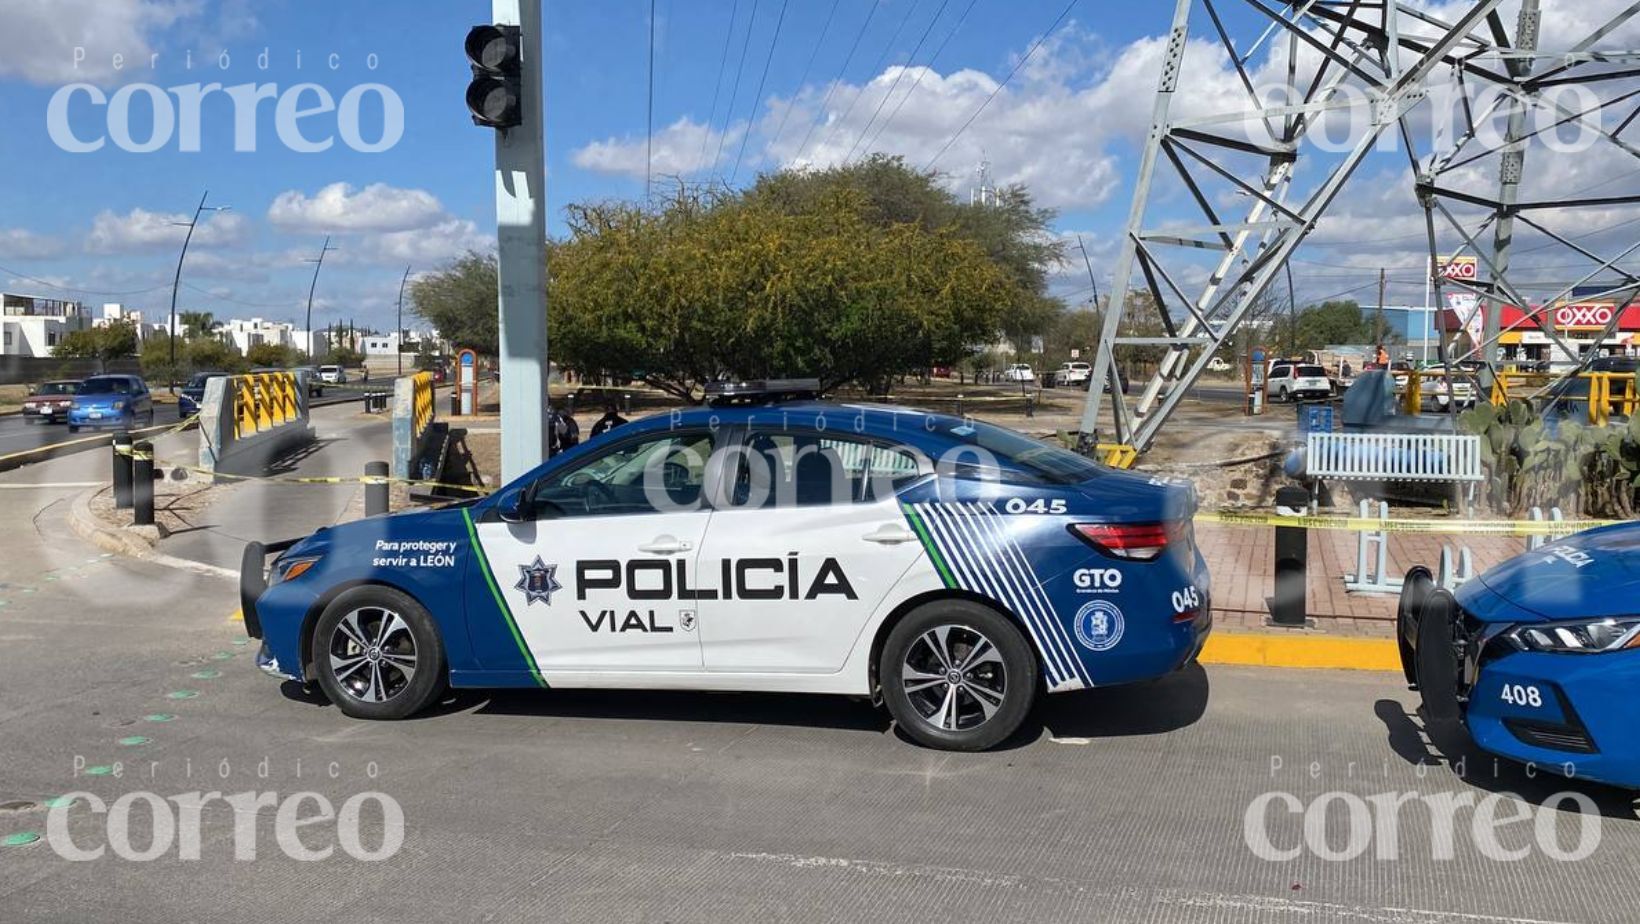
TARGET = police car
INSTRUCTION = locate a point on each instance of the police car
(1539, 657)
(948, 568)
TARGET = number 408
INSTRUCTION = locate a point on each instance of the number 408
(1518, 695)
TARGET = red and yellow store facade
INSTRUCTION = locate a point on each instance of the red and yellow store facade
(1525, 335)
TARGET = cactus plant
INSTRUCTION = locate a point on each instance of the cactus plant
(1594, 471)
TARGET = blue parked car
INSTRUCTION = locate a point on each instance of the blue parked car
(1539, 657)
(111, 401)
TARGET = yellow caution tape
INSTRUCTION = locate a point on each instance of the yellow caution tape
(1517, 528)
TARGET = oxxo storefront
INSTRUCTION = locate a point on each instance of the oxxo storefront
(1525, 339)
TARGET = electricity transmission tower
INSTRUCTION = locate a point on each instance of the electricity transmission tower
(1241, 164)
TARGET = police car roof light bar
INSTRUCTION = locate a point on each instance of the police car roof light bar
(761, 391)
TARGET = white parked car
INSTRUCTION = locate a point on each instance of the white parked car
(1018, 372)
(333, 375)
(1299, 382)
(1073, 373)
(1217, 364)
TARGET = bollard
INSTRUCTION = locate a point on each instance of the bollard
(1287, 607)
(122, 470)
(142, 484)
(959, 404)
(628, 398)
(455, 403)
(375, 492)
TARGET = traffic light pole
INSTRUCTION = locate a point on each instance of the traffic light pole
(521, 228)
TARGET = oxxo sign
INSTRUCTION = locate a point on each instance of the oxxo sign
(1569, 316)
(1466, 269)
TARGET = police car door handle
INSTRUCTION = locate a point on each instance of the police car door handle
(665, 545)
(890, 534)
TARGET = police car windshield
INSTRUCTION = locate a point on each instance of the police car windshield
(1020, 457)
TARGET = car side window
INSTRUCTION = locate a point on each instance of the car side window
(661, 473)
(783, 468)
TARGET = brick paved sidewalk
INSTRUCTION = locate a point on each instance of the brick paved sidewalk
(1242, 561)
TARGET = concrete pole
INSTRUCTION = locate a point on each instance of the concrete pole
(521, 230)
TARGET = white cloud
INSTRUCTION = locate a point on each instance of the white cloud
(680, 149)
(27, 245)
(450, 238)
(140, 229)
(40, 39)
(340, 208)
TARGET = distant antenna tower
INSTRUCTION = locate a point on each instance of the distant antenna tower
(986, 194)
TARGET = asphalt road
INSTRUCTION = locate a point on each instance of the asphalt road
(120, 677)
(19, 435)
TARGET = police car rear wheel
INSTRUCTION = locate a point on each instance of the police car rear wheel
(377, 654)
(957, 675)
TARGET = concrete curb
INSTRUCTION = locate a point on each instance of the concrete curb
(129, 542)
(1314, 652)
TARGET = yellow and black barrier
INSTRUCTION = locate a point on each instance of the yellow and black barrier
(245, 421)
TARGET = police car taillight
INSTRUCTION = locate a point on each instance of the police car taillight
(1130, 541)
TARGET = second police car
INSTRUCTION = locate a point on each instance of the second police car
(1538, 657)
(953, 569)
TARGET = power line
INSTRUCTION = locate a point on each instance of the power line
(757, 97)
(831, 87)
(1039, 42)
(804, 79)
(887, 50)
(740, 67)
(923, 73)
(61, 288)
(717, 87)
(897, 78)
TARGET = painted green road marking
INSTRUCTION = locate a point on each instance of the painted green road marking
(240, 642)
(205, 675)
(222, 655)
(159, 717)
(20, 839)
(100, 770)
(134, 741)
(182, 694)
(60, 802)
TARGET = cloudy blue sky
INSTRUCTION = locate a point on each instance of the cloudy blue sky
(740, 86)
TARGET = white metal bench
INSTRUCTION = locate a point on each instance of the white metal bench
(1428, 457)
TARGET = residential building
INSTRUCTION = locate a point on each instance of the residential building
(245, 334)
(33, 325)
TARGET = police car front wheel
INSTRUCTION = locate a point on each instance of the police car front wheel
(378, 654)
(957, 675)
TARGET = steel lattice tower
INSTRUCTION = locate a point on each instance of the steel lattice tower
(1256, 181)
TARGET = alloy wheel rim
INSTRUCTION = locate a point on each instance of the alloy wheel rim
(954, 677)
(372, 654)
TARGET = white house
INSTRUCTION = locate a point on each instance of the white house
(246, 334)
(33, 326)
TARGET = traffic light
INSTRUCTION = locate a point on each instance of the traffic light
(494, 95)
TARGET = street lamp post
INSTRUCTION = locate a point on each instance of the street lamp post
(317, 265)
(176, 281)
(398, 330)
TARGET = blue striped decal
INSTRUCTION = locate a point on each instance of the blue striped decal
(984, 559)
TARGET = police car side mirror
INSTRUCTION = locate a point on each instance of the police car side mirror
(511, 509)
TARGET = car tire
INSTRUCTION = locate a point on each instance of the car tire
(377, 654)
(998, 675)
(73, 429)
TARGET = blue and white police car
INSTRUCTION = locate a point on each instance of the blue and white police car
(948, 568)
(1539, 657)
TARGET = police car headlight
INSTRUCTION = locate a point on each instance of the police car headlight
(292, 569)
(1582, 636)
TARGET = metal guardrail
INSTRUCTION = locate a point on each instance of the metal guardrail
(1429, 457)
(1609, 392)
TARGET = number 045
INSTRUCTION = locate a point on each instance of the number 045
(1518, 695)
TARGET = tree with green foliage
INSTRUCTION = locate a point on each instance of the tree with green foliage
(346, 356)
(115, 340)
(209, 354)
(272, 355)
(460, 302)
(196, 324)
(1336, 322)
(734, 287)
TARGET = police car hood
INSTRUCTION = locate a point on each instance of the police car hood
(1594, 573)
